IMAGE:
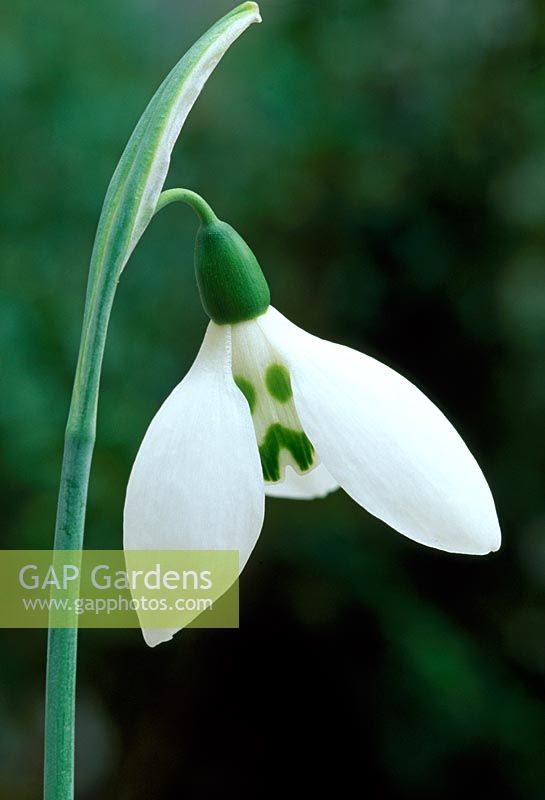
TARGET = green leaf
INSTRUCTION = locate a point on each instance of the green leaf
(139, 177)
(133, 194)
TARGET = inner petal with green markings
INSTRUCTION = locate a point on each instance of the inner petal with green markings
(265, 382)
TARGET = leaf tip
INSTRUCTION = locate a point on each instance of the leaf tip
(254, 8)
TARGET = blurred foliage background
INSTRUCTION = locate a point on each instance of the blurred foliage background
(386, 161)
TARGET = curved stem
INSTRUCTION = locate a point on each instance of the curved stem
(127, 210)
(197, 203)
(69, 529)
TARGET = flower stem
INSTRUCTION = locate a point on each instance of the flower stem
(129, 205)
(78, 451)
(79, 442)
(197, 203)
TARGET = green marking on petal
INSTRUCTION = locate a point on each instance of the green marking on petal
(277, 379)
(278, 437)
(247, 390)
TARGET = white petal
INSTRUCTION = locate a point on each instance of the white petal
(386, 444)
(196, 483)
(316, 483)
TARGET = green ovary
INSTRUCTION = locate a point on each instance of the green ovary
(278, 437)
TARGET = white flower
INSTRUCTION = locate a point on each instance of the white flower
(270, 409)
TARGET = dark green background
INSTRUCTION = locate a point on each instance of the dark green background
(386, 161)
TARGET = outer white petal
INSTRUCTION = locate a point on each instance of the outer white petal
(197, 481)
(317, 483)
(386, 443)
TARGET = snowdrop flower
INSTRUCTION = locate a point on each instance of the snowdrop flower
(269, 409)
